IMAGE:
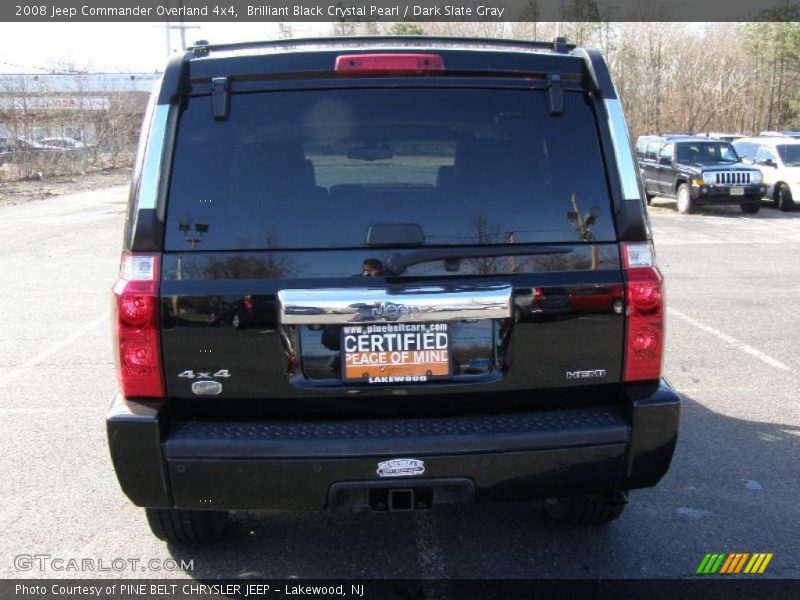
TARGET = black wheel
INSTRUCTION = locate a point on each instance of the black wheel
(751, 209)
(685, 202)
(587, 510)
(783, 197)
(187, 526)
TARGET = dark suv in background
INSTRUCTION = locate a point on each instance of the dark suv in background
(375, 206)
(697, 171)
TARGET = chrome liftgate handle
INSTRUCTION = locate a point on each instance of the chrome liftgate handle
(340, 306)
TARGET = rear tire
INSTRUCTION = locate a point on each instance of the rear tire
(587, 510)
(685, 202)
(178, 526)
(751, 209)
(783, 197)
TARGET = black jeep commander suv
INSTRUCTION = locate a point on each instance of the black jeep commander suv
(697, 171)
(377, 204)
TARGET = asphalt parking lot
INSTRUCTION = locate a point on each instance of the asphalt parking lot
(734, 331)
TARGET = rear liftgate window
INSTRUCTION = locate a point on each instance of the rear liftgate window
(342, 168)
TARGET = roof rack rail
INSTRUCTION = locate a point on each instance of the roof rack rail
(203, 48)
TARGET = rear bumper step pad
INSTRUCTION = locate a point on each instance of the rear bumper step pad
(444, 435)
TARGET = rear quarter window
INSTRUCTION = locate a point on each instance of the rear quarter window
(652, 150)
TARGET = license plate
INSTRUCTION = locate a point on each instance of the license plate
(396, 352)
(737, 191)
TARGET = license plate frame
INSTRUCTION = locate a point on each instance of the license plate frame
(737, 191)
(396, 353)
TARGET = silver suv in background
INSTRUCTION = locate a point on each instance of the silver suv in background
(779, 161)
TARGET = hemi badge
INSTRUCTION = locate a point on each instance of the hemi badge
(593, 374)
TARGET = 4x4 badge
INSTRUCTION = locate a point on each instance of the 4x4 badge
(204, 374)
(401, 467)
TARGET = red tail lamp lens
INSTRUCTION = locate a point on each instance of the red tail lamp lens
(138, 357)
(644, 337)
(646, 340)
(135, 311)
(136, 327)
(645, 296)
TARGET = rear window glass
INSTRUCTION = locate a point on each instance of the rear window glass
(352, 168)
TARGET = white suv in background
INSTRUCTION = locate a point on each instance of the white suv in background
(779, 161)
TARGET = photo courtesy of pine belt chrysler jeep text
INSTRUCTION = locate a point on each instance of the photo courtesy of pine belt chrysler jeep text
(386, 274)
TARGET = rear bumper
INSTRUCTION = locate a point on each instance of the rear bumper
(722, 195)
(269, 465)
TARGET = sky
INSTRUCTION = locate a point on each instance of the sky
(118, 47)
(124, 47)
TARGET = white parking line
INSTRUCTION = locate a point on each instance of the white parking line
(786, 225)
(680, 241)
(45, 354)
(7, 412)
(767, 222)
(739, 345)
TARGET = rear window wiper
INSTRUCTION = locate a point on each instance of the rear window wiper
(396, 264)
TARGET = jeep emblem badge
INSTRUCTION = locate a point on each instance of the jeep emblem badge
(206, 388)
(390, 311)
(401, 467)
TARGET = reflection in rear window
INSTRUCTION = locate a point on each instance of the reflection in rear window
(321, 169)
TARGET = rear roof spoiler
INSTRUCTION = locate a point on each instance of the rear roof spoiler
(558, 45)
(176, 75)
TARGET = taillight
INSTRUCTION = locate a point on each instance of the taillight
(135, 327)
(388, 64)
(248, 304)
(644, 294)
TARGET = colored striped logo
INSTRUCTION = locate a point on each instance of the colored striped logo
(734, 562)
